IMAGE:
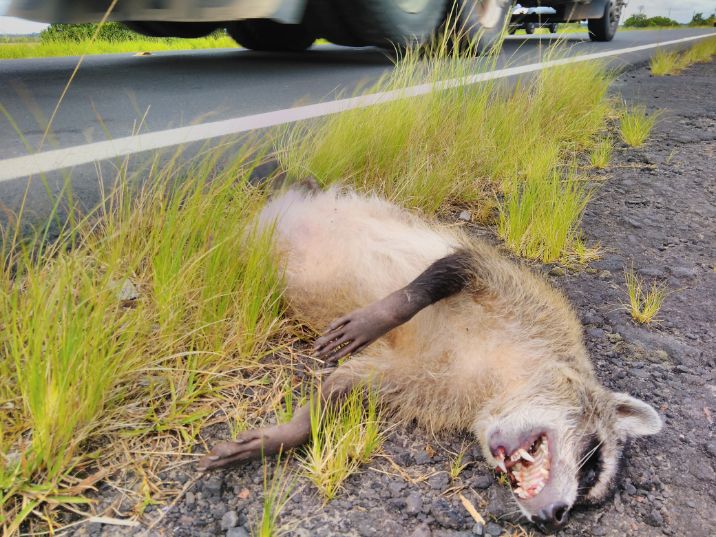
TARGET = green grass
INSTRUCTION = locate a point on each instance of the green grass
(13, 51)
(601, 153)
(644, 303)
(665, 63)
(83, 367)
(146, 320)
(635, 125)
(342, 438)
(277, 492)
(483, 145)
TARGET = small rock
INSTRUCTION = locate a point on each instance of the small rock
(189, 498)
(229, 520)
(630, 489)
(605, 275)
(493, 529)
(396, 487)
(413, 503)
(439, 481)
(213, 485)
(596, 333)
(128, 291)
(465, 216)
(478, 529)
(445, 514)
(186, 520)
(422, 531)
(684, 272)
(482, 481)
(598, 531)
(654, 518)
(421, 457)
(237, 532)
(711, 449)
(557, 271)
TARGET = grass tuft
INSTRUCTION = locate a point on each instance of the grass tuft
(277, 492)
(540, 218)
(665, 63)
(644, 303)
(601, 153)
(342, 438)
(635, 125)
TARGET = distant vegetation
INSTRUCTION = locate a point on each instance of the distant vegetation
(640, 20)
(111, 32)
(113, 37)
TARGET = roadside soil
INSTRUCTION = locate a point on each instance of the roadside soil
(655, 210)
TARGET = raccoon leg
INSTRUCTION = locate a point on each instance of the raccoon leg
(355, 331)
(277, 438)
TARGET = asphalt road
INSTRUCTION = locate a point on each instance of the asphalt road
(112, 93)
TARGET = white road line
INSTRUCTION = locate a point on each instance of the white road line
(47, 161)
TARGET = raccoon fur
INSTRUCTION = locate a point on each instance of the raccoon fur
(501, 355)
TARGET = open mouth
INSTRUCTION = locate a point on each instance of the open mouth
(527, 467)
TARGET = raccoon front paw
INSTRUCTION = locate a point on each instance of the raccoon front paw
(247, 446)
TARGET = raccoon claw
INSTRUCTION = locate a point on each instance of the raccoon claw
(247, 446)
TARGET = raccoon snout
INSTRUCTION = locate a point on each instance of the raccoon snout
(553, 516)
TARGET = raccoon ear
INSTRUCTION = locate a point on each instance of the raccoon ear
(635, 417)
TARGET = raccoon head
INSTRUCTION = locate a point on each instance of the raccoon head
(562, 448)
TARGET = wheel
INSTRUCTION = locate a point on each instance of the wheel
(172, 29)
(384, 23)
(271, 36)
(604, 28)
(553, 28)
(529, 28)
(481, 22)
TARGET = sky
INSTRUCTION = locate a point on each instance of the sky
(681, 10)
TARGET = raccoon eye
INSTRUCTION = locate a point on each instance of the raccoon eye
(590, 465)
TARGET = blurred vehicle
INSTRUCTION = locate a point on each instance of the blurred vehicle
(293, 25)
(519, 21)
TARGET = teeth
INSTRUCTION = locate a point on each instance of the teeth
(515, 456)
(523, 453)
(502, 466)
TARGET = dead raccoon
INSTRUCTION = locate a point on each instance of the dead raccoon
(469, 341)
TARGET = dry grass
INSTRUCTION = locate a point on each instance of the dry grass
(644, 303)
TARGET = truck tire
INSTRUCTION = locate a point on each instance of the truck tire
(604, 28)
(383, 23)
(529, 28)
(481, 22)
(187, 30)
(270, 36)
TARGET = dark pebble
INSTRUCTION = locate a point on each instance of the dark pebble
(654, 518)
(482, 481)
(445, 514)
(493, 529)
